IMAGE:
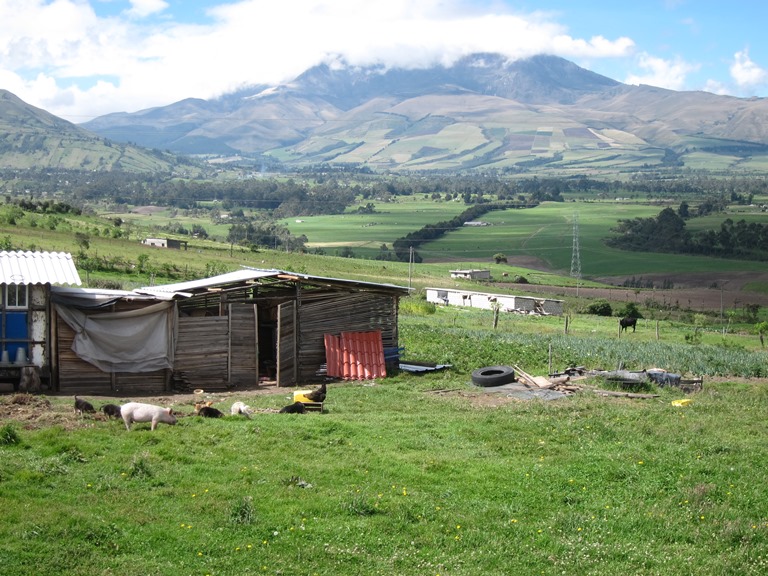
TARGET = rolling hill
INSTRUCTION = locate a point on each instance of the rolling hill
(33, 138)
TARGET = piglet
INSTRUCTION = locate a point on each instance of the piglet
(295, 408)
(111, 410)
(138, 412)
(82, 406)
(240, 408)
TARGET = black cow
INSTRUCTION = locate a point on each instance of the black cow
(627, 322)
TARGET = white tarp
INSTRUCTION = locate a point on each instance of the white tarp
(140, 340)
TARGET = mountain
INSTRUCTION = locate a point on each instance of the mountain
(33, 138)
(483, 111)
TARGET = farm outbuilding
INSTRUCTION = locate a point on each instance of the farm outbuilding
(233, 330)
(471, 274)
(486, 301)
(165, 243)
(26, 279)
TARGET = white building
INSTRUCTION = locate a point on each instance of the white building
(487, 301)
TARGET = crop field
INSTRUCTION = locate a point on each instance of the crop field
(390, 221)
(546, 233)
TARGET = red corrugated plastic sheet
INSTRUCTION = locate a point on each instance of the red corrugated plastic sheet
(355, 355)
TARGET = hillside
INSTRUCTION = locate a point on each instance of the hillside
(484, 111)
(33, 138)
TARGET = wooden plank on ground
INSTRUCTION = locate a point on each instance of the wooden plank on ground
(625, 394)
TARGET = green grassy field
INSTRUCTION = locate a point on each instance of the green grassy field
(407, 475)
(544, 232)
(411, 474)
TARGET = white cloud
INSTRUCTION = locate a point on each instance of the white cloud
(716, 87)
(144, 8)
(663, 73)
(76, 64)
(745, 72)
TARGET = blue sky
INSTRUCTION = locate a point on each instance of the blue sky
(84, 58)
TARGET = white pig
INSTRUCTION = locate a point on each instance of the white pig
(138, 412)
(240, 408)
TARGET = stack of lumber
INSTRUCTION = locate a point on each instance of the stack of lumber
(560, 383)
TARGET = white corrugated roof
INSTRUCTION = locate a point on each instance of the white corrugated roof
(20, 267)
(237, 276)
(244, 275)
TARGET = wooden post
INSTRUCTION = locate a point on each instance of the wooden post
(550, 358)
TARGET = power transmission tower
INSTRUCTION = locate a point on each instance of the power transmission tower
(576, 253)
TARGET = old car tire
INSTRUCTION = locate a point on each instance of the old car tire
(493, 376)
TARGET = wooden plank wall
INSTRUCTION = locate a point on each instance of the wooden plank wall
(77, 376)
(337, 312)
(286, 345)
(202, 352)
(244, 345)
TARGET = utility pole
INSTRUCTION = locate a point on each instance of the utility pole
(576, 253)
(410, 265)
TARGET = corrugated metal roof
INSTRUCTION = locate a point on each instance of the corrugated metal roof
(99, 297)
(229, 278)
(20, 267)
(252, 274)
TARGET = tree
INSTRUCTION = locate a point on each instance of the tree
(142, 259)
(499, 258)
(761, 328)
(83, 240)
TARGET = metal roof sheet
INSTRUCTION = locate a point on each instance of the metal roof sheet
(229, 278)
(19, 267)
(252, 274)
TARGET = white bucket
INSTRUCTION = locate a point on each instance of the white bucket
(21, 356)
(6, 359)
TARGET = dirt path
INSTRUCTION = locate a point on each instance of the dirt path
(705, 292)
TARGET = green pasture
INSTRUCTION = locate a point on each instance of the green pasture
(546, 232)
(409, 474)
(391, 220)
(581, 339)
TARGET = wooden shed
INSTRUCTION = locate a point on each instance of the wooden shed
(228, 331)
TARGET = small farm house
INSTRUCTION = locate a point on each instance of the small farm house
(26, 280)
(486, 301)
(236, 329)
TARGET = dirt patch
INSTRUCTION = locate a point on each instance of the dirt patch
(35, 412)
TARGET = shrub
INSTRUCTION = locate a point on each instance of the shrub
(599, 308)
(417, 306)
(629, 311)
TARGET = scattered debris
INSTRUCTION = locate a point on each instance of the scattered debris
(657, 376)
(420, 367)
(625, 394)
